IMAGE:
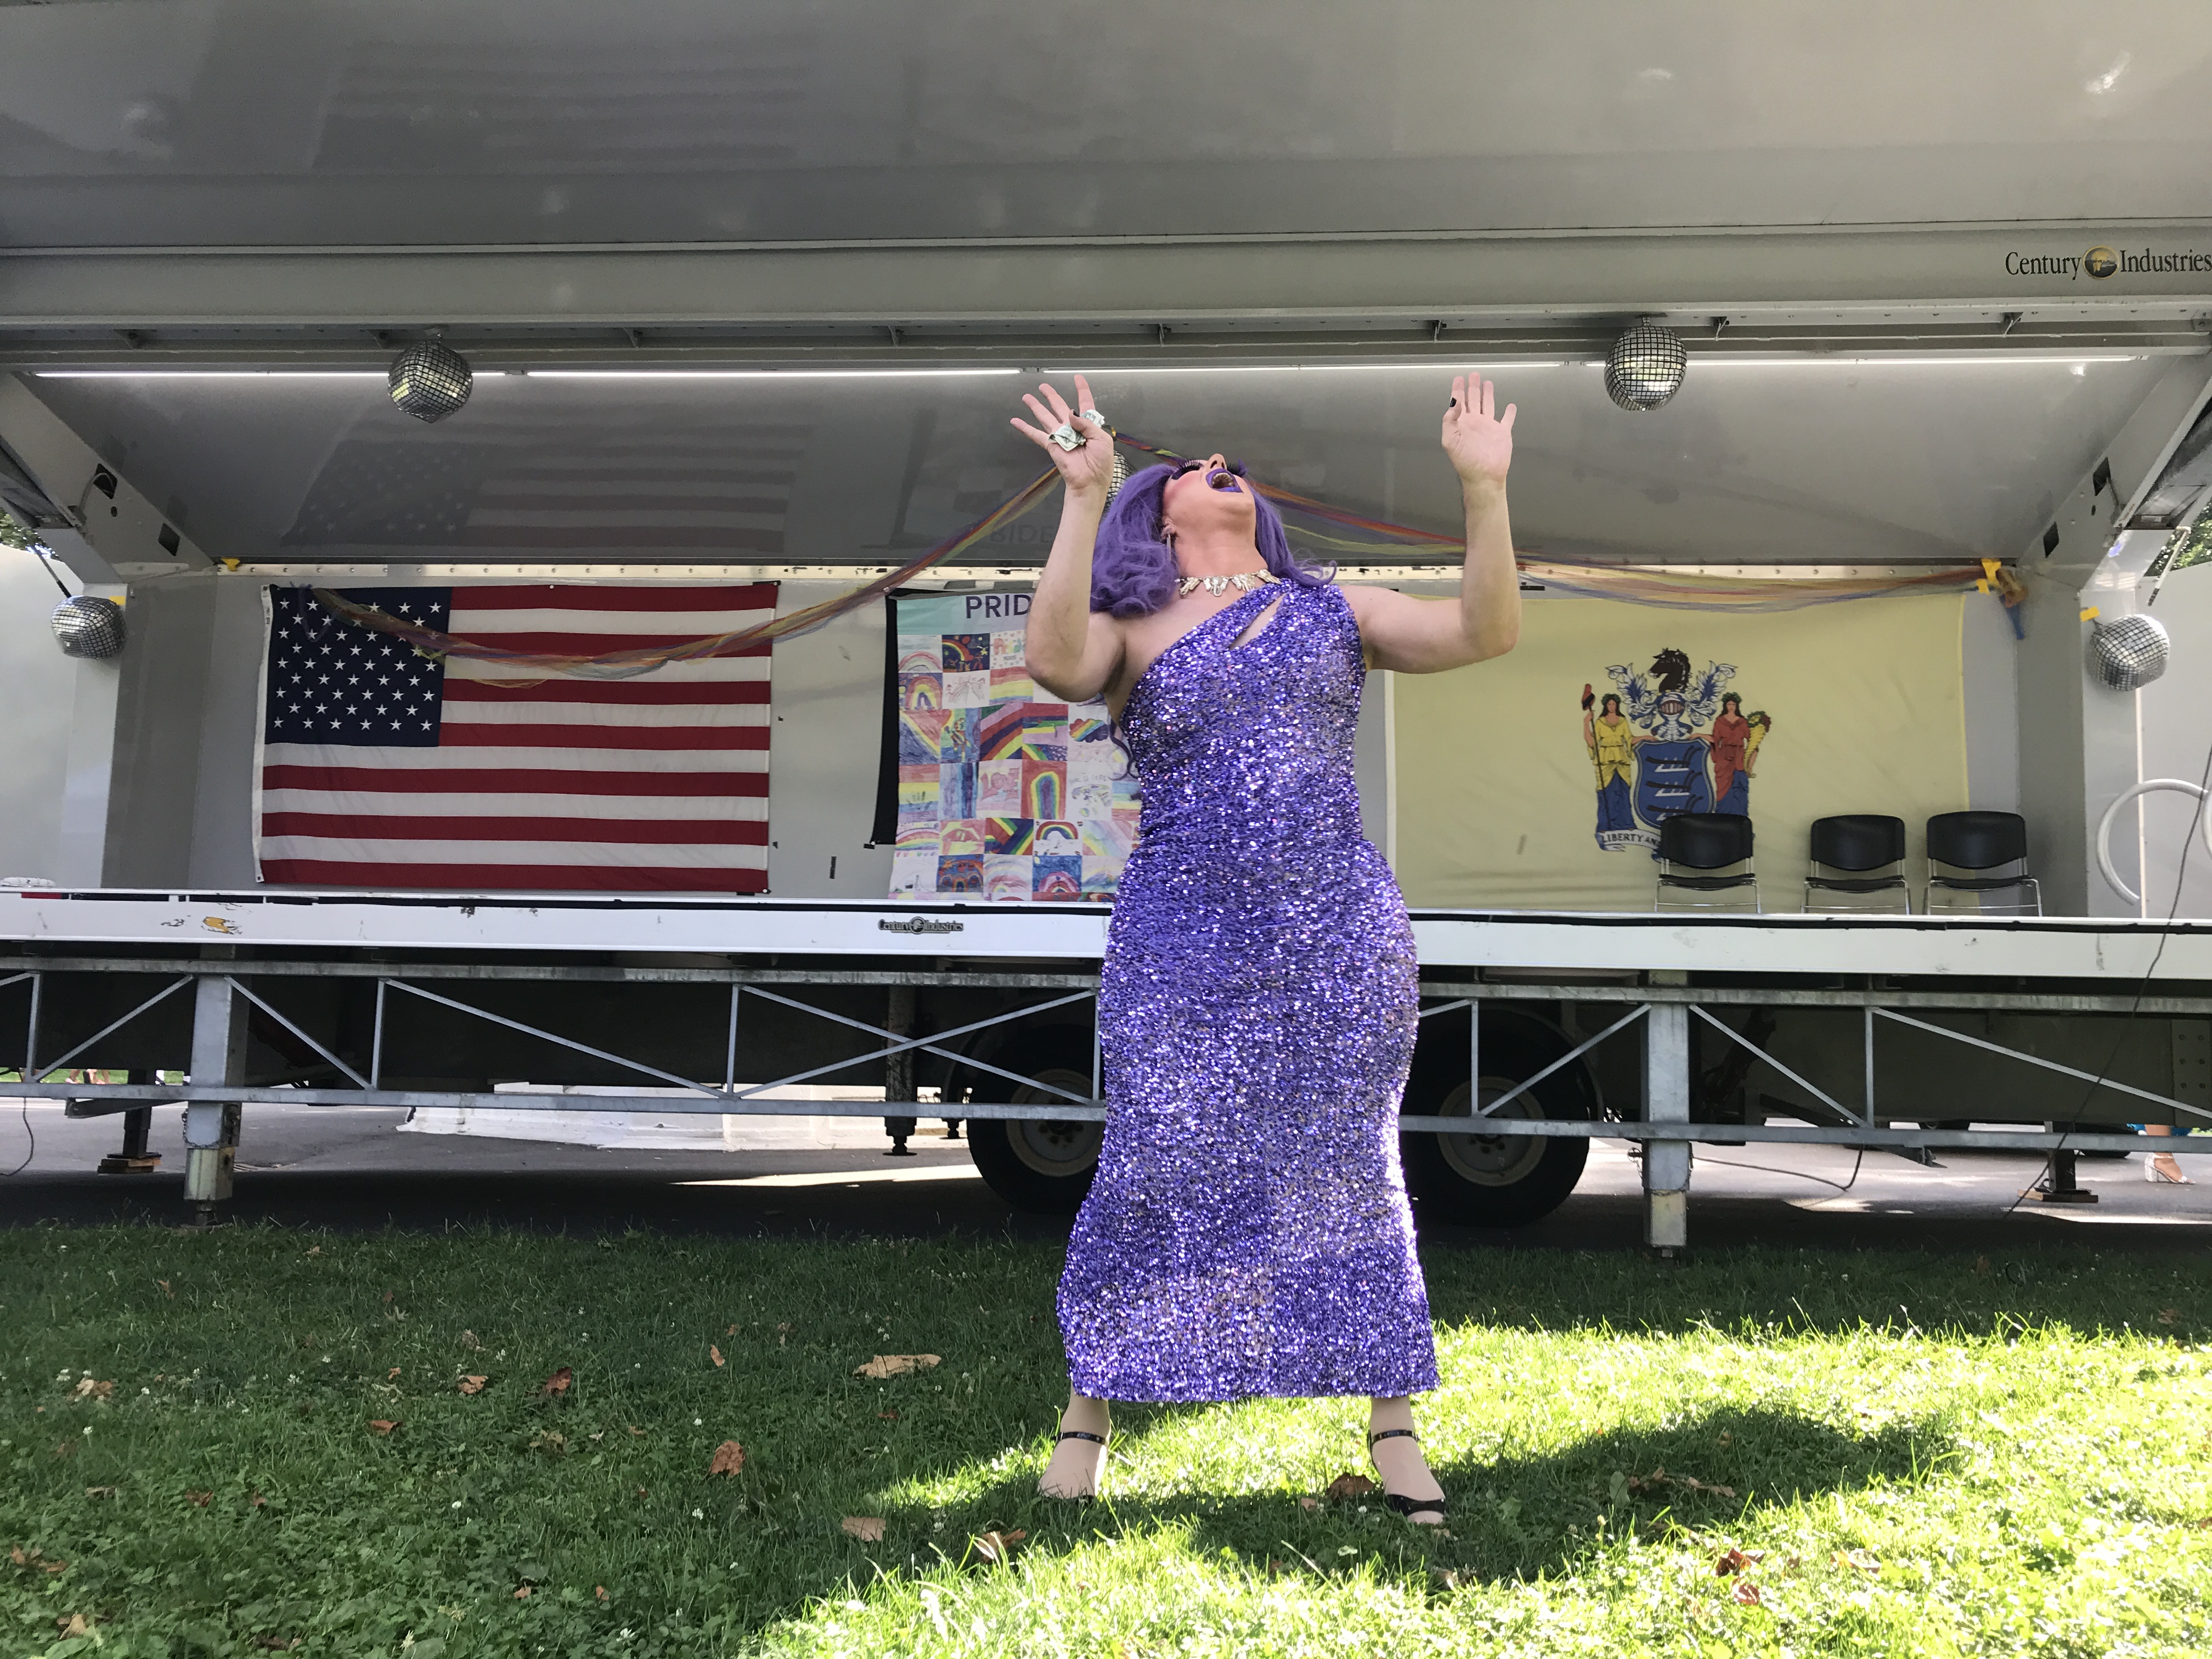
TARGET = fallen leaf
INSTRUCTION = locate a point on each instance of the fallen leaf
(164, 1284)
(1725, 1439)
(1862, 1560)
(894, 1365)
(636, 1430)
(391, 1375)
(75, 1625)
(1442, 1577)
(714, 1354)
(732, 1331)
(552, 1444)
(100, 1492)
(259, 1502)
(1734, 1560)
(67, 1449)
(868, 1528)
(997, 1547)
(474, 1383)
(387, 1298)
(557, 1385)
(1348, 1485)
(199, 1500)
(782, 1335)
(470, 1339)
(1745, 1593)
(729, 1458)
(521, 1592)
(1981, 1264)
(381, 1424)
(640, 1491)
(599, 1436)
(87, 1388)
(314, 1250)
(888, 1417)
(2169, 1316)
(1308, 1501)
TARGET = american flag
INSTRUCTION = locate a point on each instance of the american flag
(382, 768)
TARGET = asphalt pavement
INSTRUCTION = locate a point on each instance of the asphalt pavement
(355, 1168)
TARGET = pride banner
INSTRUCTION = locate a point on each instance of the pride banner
(1000, 793)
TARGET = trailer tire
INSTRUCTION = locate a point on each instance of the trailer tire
(1036, 1164)
(1496, 1180)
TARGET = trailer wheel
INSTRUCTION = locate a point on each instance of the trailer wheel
(1037, 1164)
(1496, 1180)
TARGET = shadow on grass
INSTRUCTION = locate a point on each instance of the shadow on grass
(1520, 1516)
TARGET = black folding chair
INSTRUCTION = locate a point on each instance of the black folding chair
(1858, 865)
(1973, 855)
(1704, 863)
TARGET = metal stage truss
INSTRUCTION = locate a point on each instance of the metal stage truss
(223, 987)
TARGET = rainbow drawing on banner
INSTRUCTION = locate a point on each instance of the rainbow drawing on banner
(1001, 795)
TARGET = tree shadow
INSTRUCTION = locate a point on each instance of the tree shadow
(1520, 1516)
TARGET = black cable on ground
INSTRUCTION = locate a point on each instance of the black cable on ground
(33, 1136)
(1801, 1175)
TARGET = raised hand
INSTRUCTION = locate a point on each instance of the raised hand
(1086, 471)
(1478, 439)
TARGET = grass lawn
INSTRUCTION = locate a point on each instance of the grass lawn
(1914, 1453)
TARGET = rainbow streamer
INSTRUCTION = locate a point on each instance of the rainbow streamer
(1373, 537)
(1597, 579)
(644, 659)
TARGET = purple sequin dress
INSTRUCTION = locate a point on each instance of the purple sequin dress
(1248, 1232)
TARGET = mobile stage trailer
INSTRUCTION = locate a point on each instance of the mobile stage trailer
(1901, 1034)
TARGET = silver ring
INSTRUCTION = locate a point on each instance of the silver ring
(1093, 417)
(1066, 436)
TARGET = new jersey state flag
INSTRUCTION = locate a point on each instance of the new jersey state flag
(381, 768)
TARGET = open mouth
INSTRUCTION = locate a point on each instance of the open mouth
(1221, 479)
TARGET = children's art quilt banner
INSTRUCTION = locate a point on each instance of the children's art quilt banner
(1538, 781)
(1001, 792)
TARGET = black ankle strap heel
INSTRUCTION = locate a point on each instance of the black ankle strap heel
(1406, 1506)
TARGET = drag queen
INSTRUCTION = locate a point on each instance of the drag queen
(1248, 1232)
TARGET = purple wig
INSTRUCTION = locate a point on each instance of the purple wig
(1132, 570)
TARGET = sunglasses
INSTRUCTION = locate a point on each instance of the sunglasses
(1237, 468)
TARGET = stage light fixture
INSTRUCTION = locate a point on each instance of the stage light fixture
(430, 379)
(87, 626)
(2130, 651)
(1645, 367)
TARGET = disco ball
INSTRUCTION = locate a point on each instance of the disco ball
(1645, 367)
(430, 379)
(89, 627)
(2129, 653)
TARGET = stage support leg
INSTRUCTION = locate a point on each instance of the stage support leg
(898, 1070)
(1666, 1100)
(211, 1126)
(133, 1159)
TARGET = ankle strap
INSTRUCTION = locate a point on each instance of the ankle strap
(1392, 1434)
(1078, 1434)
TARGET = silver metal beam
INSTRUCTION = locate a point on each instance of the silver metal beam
(124, 1096)
(2047, 1065)
(1814, 1090)
(1562, 1061)
(1870, 275)
(1708, 996)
